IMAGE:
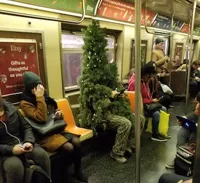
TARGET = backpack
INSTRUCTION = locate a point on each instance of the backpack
(184, 161)
(35, 174)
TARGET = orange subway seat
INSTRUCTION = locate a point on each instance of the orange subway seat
(83, 133)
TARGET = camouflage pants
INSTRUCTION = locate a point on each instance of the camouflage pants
(125, 136)
(125, 133)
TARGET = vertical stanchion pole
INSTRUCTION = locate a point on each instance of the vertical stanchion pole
(137, 84)
(190, 52)
(187, 63)
(171, 43)
(196, 175)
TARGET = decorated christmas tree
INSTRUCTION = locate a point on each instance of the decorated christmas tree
(98, 79)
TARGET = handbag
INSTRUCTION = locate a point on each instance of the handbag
(34, 173)
(152, 107)
(184, 160)
(49, 127)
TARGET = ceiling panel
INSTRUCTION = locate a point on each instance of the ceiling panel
(181, 11)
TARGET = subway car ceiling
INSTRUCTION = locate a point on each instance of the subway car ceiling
(116, 16)
(181, 9)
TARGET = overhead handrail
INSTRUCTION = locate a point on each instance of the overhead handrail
(97, 6)
(6, 12)
(146, 28)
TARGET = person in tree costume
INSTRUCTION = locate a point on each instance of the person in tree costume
(100, 98)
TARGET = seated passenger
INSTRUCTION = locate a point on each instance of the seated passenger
(183, 67)
(184, 135)
(36, 104)
(157, 92)
(125, 137)
(147, 72)
(127, 77)
(173, 178)
(194, 86)
(16, 140)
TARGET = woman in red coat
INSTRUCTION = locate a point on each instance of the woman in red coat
(147, 71)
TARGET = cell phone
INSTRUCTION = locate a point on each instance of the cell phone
(121, 92)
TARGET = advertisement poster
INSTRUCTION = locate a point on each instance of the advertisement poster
(162, 22)
(64, 5)
(16, 57)
(178, 25)
(122, 11)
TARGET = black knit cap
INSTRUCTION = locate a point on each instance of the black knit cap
(30, 80)
(159, 40)
(148, 68)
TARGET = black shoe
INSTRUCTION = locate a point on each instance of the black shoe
(80, 176)
(158, 138)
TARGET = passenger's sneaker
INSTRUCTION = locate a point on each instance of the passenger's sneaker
(166, 137)
(170, 165)
(169, 137)
(119, 159)
(158, 138)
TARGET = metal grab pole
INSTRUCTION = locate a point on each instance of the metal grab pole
(190, 52)
(196, 175)
(137, 86)
(171, 44)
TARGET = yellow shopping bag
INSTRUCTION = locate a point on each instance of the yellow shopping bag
(163, 124)
(149, 125)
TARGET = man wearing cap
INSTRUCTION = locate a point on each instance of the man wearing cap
(158, 56)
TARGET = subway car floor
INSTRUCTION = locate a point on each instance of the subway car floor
(100, 168)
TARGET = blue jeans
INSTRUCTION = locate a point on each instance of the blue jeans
(155, 121)
(172, 178)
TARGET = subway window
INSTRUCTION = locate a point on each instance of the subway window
(72, 57)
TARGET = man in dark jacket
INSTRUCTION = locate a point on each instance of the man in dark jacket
(16, 140)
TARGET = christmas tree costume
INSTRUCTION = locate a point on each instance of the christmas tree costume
(97, 105)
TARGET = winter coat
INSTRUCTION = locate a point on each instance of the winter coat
(158, 56)
(38, 112)
(17, 126)
(145, 91)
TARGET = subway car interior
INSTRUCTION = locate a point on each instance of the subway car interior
(125, 75)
